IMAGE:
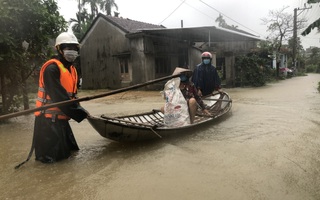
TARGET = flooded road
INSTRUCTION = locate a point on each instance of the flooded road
(267, 147)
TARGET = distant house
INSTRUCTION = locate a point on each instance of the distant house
(282, 59)
(118, 52)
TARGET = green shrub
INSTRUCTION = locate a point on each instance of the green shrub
(317, 69)
(252, 71)
(311, 69)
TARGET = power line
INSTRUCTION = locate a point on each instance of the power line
(172, 12)
(184, 2)
(228, 17)
(200, 11)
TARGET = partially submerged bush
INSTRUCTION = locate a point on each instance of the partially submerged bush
(252, 71)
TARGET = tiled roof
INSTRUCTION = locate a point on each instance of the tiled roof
(129, 25)
(195, 34)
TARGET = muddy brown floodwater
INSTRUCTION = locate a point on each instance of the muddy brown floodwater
(267, 147)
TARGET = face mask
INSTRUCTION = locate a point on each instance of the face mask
(206, 61)
(183, 78)
(70, 55)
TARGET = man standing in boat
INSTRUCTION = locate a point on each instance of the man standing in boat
(205, 76)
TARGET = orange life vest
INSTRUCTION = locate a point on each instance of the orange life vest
(67, 79)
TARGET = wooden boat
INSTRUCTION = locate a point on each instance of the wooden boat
(149, 125)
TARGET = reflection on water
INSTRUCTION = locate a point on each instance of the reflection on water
(267, 147)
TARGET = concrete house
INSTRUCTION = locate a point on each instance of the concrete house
(118, 52)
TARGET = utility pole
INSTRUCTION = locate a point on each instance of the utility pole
(294, 51)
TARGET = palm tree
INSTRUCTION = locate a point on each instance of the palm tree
(93, 5)
(104, 5)
(80, 25)
(315, 24)
(84, 18)
(107, 5)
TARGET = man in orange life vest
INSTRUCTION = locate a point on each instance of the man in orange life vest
(53, 136)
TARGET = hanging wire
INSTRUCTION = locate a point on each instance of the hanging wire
(228, 17)
(172, 12)
(200, 11)
(311, 14)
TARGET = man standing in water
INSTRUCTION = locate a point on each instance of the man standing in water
(205, 76)
(53, 137)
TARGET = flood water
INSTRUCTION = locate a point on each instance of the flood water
(267, 147)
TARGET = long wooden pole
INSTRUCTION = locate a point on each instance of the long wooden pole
(62, 103)
(217, 100)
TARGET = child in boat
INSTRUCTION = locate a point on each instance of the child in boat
(190, 93)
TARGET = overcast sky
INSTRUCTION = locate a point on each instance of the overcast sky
(246, 14)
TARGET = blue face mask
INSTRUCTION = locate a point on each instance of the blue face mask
(206, 61)
(183, 78)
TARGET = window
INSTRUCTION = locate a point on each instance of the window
(124, 69)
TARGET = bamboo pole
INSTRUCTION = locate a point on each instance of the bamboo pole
(88, 98)
(217, 100)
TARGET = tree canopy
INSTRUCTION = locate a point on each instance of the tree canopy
(280, 25)
(222, 23)
(26, 28)
(32, 21)
(315, 24)
(84, 17)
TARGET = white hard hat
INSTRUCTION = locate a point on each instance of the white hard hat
(66, 38)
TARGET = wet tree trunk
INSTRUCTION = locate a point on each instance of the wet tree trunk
(277, 68)
(3, 94)
(24, 90)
